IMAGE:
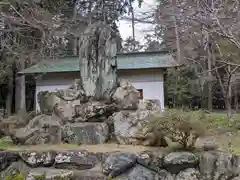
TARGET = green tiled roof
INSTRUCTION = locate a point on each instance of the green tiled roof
(140, 60)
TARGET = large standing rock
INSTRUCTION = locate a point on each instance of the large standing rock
(126, 96)
(47, 101)
(86, 133)
(118, 162)
(50, 174)
(98, 60)
(42, 129)
(177, 161)
(128, 123)
(36, 159)
(79, 160)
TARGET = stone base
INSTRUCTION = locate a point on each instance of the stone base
(147, 165)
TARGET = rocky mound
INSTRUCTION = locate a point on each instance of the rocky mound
(66, 117)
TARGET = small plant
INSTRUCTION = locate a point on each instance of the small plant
(180, 126)
(16, 176)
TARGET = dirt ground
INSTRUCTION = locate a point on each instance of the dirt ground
(90, 148)
(227, 142)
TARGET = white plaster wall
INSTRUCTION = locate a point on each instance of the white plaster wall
(150, 80)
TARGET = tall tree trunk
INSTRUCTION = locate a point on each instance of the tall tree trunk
(133, 25)
(177, 40)
(9, 97)
(236, 98)
(20, 93)
(228, 105)
(229, 92)
(210, 81)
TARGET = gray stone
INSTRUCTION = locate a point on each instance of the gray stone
(98, 61)
(126, 96)
(206, 143)
(94, 111)
(90, 174)
(42, 129)
(165, 175)
(41, 121)
(23, 134)
(15, 168)
(150, 105)
(117, 163)
(86, 133)
(151, 159)
(188, 174)
(36, 159)
(236, 165)
(79, 160)
(141, 173)
(236, 178)
(217, 165)
(223, 166)
(127, 125)
(47, 101)
(177, 161)
(72, 93)
(66, 111)
(6, 158)
(207, 165)
(50, 174)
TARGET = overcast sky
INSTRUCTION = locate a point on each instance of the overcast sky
(125, 27)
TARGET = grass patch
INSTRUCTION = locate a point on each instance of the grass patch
(219, 120)
(6, 142)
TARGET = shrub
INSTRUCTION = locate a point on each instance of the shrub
(180, 126)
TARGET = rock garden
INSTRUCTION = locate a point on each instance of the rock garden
(126, 120)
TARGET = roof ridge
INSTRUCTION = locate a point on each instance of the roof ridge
(70, 64)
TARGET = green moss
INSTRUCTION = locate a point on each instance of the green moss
(18, 176)
(6, 142)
